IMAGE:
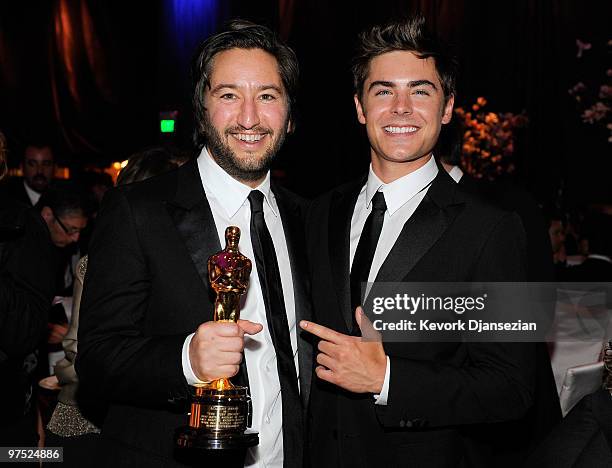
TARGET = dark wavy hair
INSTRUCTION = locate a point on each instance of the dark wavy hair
(240, 34)
(148, 163)
(410, 35)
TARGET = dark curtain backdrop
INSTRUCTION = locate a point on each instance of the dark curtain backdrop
(93, 76)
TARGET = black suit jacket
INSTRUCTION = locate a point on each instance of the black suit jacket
(592, 269)
(511, 197)
(546, 410)
(446, 400)
(14, 190)
(29, 264)
(145, 290)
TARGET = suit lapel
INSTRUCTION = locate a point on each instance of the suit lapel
(194, 221)
(422, 230)
(340, 214)
(296, 245)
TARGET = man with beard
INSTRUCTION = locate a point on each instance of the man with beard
(37, 167)
(146, 328)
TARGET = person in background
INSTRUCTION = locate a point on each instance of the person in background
(556, 232)
(75, 425)
(66, 214)
(29, 262)
(148, 163)
(38, 166)
(597, 266)
(584, 437)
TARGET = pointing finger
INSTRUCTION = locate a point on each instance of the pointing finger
(322, 332)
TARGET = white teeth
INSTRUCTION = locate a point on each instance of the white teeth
(400, 129)
(248, 137)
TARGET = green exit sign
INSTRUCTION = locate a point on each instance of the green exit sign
(167, 125)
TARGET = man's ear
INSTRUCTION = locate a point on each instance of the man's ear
(360, 112)
(290, 126)
(47, 214)
(448, 109)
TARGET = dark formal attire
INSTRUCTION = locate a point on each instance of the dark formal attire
(511, 197)
(28, 270)
(546, 411)
(14, 190)
(583, 439)
(445, 402)
(147, 290)
(596, 268)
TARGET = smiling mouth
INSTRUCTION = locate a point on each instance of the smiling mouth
(400, 130)
(249, 137)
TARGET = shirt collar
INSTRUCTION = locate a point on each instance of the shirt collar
(32, 195)
(227, 191)
(400, 191)
(456, 173)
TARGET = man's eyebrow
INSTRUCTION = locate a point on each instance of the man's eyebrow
(411, 84)
(414, 84)
(273, 87)
(262, 87)
(386, 84)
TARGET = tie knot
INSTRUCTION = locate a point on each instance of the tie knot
(378, 202)
(256, 200)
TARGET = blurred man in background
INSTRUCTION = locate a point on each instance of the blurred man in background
(38, 165)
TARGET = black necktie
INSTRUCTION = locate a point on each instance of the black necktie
(271, 288)
(365, 250)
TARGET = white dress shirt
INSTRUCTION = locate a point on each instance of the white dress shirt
(32, 195)
(402, 197)
(230, 207)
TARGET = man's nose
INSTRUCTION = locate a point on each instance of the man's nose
(249, 115)
(402, 104)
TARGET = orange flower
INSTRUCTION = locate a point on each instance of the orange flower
(491, 118)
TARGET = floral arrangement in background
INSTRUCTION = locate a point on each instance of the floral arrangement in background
(488, 140)
(594, 102)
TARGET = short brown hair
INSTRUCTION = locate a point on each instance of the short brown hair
(409, 35)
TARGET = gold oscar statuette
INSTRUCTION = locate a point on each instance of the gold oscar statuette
(221, 411)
